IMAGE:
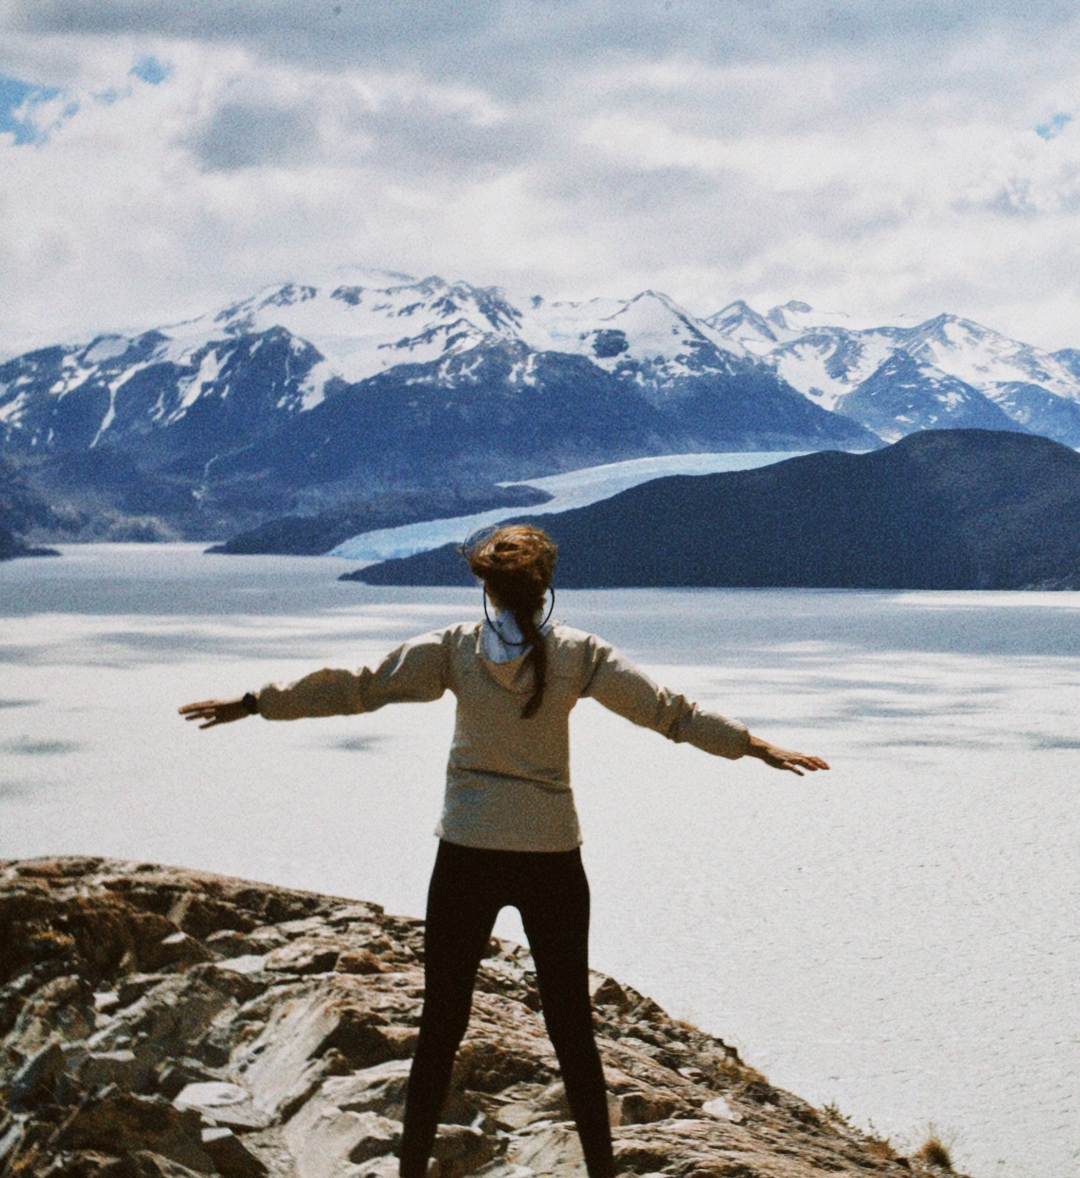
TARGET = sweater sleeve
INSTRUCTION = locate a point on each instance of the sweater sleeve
(416, 672)
(624, 689)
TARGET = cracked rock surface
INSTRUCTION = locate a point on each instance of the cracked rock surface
(162, 1023)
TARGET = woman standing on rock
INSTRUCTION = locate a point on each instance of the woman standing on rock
(509, 832)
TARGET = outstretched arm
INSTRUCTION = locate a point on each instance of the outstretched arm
(783, 758)
(415, 672)
(619, 685)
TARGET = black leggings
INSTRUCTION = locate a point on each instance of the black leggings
(468, 888)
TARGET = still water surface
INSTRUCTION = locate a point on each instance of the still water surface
(898, 936)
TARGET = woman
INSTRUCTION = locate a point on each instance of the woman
(509, 832)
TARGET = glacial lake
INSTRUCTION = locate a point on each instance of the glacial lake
(898, 936)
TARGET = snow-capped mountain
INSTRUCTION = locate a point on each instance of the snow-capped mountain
(315, 337)
(902, 396)
(300, 394)
(362, 330)
(303, 396)
(649, 329)
(829, 359)
(320, 339)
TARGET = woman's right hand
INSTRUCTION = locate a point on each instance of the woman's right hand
(215, 711)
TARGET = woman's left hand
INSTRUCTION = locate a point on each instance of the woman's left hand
(783, 758)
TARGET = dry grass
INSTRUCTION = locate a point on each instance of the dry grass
(934, 1154)
(736, 1070)
(881, 1147)
(876, 1145)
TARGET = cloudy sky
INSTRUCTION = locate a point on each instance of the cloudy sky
(159, 158)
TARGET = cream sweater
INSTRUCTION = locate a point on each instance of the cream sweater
(508, 779)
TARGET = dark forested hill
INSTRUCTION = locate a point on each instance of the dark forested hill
(940, 509)
(21, 510)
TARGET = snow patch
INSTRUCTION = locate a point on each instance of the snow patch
(12, 411)
(209, 370)
(653, 328)
(72, 375)
(107, 347)
(313, 389)
(110, 413)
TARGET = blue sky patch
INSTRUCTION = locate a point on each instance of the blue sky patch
(18, 101)
(1053, 126)
(151, 70)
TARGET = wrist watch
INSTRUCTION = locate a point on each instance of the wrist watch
(251, 703)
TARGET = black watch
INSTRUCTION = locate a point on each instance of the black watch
(251, 704)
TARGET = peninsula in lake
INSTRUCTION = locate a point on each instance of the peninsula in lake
(940, 509)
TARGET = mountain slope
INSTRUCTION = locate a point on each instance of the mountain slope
(504, 412)
(941, 509)
(827, 357)
(902, 396)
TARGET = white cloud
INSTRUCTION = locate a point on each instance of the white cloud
(885, 159)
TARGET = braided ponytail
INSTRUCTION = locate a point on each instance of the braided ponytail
(537, 655)
(516, 564)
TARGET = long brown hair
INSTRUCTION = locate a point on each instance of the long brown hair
(516, 564)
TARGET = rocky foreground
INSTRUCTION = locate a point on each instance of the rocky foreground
(159, 1022)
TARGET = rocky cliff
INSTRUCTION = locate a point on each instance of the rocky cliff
(159, 1022)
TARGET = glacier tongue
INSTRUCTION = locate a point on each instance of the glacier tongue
(575, 488)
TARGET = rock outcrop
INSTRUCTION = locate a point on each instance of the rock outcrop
(161, 1023)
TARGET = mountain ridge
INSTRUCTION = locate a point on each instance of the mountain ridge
(301, 400)
(829, 362)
